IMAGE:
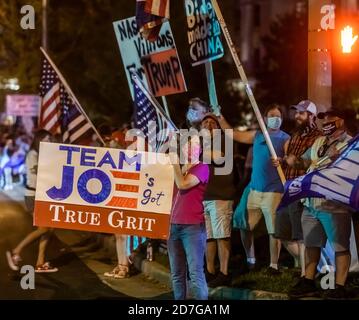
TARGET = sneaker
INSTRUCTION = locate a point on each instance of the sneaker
(45, 268)
(209, 276)
(304, 288)
(220, 280)
(339, 293)
(13, 260)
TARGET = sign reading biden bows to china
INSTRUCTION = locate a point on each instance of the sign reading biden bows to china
(103, 190)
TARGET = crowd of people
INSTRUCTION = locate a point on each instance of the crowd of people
(207, 206)
(304, 228)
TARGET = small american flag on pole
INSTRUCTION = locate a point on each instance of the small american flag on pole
(150, 14)
(60, 111)
(50, 104)
(159, 8)
(150, 117)
(74, 126)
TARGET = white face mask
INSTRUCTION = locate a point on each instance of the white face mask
(274, 122)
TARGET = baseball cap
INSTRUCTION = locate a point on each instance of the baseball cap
(340, 113)
(306, 105)
(212, 116)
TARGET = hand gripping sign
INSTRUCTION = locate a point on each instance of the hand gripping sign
(103, 190)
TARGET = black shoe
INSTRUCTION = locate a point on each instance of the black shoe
(210, 276)
(304, 288)
(220, 280)
(339, 293)
(272, 272)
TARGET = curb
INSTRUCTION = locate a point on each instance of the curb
(158, 272)
(153, 270)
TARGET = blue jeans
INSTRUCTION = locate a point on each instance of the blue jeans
(186, 248)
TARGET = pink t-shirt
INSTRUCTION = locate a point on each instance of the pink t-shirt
(188, 204)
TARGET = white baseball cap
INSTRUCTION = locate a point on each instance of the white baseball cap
(306, 105)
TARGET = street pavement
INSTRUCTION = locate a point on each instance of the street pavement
(80, 272)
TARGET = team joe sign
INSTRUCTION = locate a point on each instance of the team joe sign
(103, 190)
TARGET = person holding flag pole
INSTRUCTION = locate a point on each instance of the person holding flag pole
(266, 187)
(249, 92)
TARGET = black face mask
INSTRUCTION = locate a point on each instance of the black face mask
(329, 128)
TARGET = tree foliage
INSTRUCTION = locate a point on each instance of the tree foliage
(83, 45)
(283, 72)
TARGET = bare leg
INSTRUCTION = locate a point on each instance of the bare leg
(224, 249)
(44, 240)
(293, 248)
(342, 262)
(302, 257)
(274, 247)
(211, 253)
(121, 249)
(312, 260)
(30, 238)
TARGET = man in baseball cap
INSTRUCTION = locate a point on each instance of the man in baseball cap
(305, 105)
(324, 219)
(288, 226)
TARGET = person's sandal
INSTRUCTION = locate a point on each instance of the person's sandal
(45, 268)
(123, 272)
(111, 274)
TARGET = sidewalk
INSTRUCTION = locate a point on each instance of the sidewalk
(160, 273)
(100, 256)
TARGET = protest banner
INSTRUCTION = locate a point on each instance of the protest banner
(133, 48)
(163, 73)
(204, 32)
(103, 190)
(20, 105)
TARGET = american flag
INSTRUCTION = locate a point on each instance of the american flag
(59, 114)
(50, 94)
(159, 8)
(150, 14)
(150, 119)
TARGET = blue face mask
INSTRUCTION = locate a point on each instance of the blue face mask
(274, 122)
(194, 115)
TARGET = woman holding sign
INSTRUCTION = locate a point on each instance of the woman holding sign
(187, 240)
(41, 233)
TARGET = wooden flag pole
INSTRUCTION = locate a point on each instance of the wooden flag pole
(68, 89)
(244, 79)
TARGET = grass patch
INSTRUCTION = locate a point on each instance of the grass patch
(260, 280)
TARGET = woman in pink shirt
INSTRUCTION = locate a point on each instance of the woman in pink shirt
(187, 241)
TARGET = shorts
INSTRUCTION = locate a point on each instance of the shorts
(218, 215)
(288, 222)
(262, 204)
(240, 216)
(30, 204)
(318, 226)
